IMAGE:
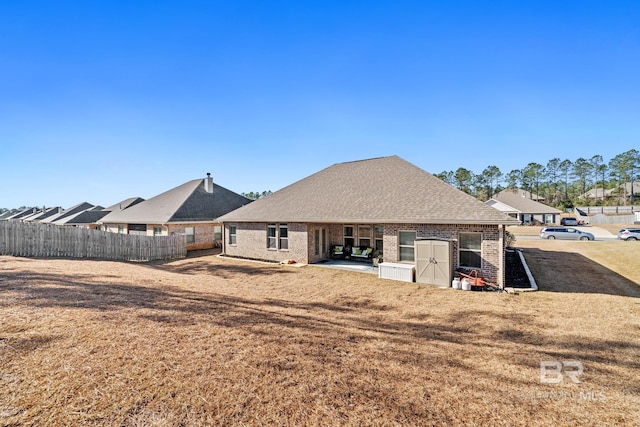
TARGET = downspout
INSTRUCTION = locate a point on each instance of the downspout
(224, 239)
(501, 276)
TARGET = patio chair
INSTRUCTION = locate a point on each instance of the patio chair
(337, 251)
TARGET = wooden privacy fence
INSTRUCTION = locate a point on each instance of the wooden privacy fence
(48, 240)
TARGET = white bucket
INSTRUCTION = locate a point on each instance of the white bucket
(456, 284)
(466, 284)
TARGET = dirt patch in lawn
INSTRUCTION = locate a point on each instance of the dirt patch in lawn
(205, 341)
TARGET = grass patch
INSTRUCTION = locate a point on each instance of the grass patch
(205, 340)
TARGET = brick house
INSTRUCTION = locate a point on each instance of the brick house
(384, 203)
(190, 209)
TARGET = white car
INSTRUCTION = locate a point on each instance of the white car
(629, 234)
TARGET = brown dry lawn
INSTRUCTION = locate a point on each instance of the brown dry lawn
(205, 341)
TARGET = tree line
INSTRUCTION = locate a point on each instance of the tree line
(561, 182)
(255, 195)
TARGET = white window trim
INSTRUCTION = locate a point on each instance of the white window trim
(277, 238)
(233, 236)
(187, 234)
(280, 238)
(460, 249)
(406, 246)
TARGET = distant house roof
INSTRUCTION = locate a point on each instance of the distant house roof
(22, 214)
(596, 193)
(524, 193)
(80, 207)
(127, 203)
(88, 216)
(6, 215)
(189, 202)
(10, 213)
(44, 214)
(520, 204)
(381, 190)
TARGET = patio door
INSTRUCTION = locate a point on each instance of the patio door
(320, 246)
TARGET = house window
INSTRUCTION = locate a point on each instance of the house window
(191, 234)
(121, 229)
(317, 242)
(364, 234)
(278, 236)
(406, 240)
(378, 233)
(284, 237)
(232, 234)
(271, 236)
(349, 238)
(470, 250)
(157, 231)
(217, 232)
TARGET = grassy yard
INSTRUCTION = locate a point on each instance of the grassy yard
(204, 341)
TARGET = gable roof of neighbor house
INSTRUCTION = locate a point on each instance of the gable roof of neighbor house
(381, 190)
(127, 203)
(6, 215)
(524, 193)
(189, 202)
(522, 204)
(80, 207)
(22, 214)
(88, 216)
(44, 214)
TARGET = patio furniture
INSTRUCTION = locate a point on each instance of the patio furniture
(337, 251)
(361, 253)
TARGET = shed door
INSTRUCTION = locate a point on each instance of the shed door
(433, 262)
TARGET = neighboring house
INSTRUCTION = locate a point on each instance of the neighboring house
(596, 193)
(620, 191)
(191, 209)
(66, 213)
(90, 217)
(85, 218)
(524, 193)
(7, 214)
(384, 203)
(19, 215)
(527, 211)
(45, 213)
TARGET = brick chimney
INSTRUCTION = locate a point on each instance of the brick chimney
(208, 183)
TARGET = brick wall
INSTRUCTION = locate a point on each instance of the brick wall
(251, 242)
(491, 257)
(204, 233)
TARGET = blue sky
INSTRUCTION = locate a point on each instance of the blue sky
(101, 101)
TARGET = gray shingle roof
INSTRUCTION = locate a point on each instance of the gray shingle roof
(127, 203)
(381, 190)
(189, 202)
(57, 218)
(46, 214)
(523, 204)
